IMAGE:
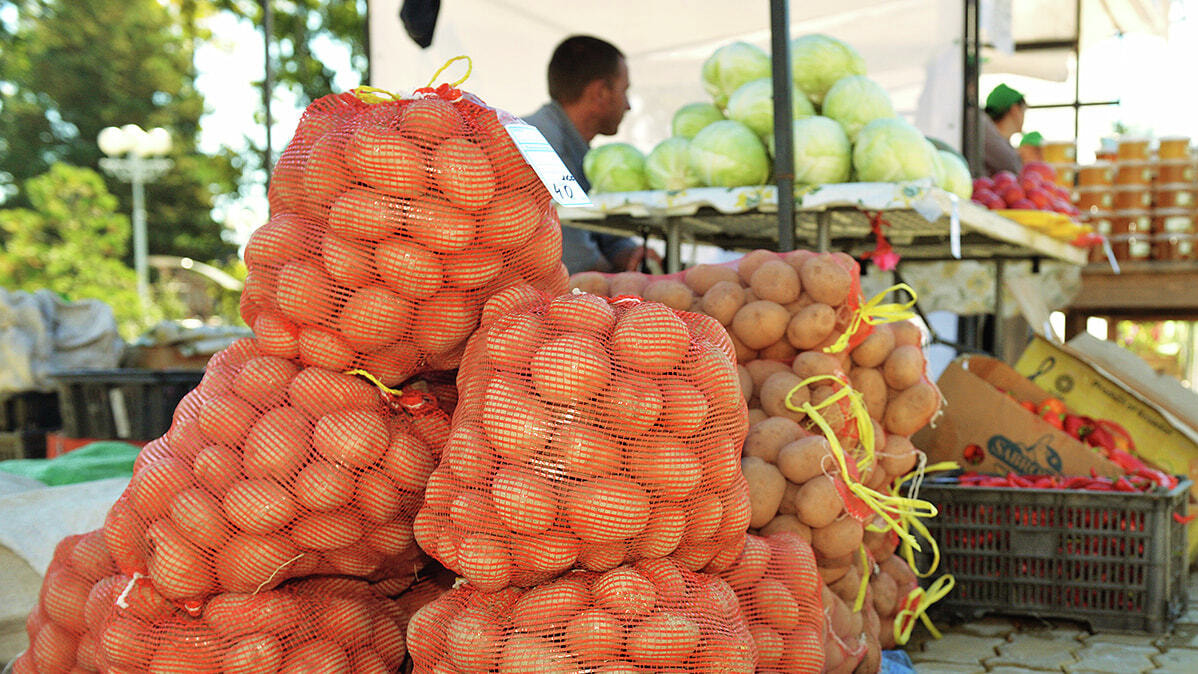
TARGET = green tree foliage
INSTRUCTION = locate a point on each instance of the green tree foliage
(72, 240)
(73, 67)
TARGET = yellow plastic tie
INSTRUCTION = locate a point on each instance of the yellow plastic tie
(469, 69)
(865, 569)
(916, 606)
(374, 380)
(368, 94)
(874, 312)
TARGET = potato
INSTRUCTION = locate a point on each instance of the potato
(839, 615)
(818, 503)
(590, 281)
(722, 301)
(831, 570)
(885, 593)
(872, 662)
(673, 294)
(702, 278)
(898, 456)
(903, 367)
(796, 258)
(912, 409)
(628, 283)
(787, 524)
(847, 586)
(825, 280)
(766, 487)
(787, 507)
(781, 351)
(805, 458)
(875, 348)
(811, 325)
(870, 383)
(751, 261)
(746, 382)
(907, 333)
(743, 353)
(760, 370)
(756, 416)
(813, 364)
(775, 281)
(779, 396)
(875, 478)
(759, 324)
(880, 543)
(767, 437)
(840, 537)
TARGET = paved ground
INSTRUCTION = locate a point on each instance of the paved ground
(1012, 645)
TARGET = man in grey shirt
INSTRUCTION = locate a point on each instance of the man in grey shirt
(588, 88)
(1004, 118)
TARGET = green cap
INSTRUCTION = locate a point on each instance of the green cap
(1033, 138)
(1001, 99)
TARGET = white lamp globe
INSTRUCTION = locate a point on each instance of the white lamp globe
(136, 137)
(158, 141)
(112, 141)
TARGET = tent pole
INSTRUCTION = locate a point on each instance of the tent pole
(971, 124)
(784, 165)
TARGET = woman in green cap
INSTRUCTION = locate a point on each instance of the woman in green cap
(1030, 147)
(1004, 118)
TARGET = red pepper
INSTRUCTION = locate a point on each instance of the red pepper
(1184, 519)
(1054, 420)
(1078, 426)
(1077, 482)
(1123, 485)
(1029, 406)
(1098, 486)
(1018, 481)
(1052, 406)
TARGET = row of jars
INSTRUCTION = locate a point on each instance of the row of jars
(1142, 234)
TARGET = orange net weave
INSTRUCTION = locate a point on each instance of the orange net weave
(779, 590)
(332, 625)
(652, 616)
(391, 225)
(589, 433)
(272, 470)
(64, 626)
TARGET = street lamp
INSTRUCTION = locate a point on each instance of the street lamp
(134, 156)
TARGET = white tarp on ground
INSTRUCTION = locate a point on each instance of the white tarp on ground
(911, 47)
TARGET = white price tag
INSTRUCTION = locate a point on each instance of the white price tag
(549, 167)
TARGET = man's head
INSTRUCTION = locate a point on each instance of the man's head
(1006, 105)
(590, 75)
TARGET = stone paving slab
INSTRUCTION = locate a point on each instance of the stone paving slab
(1035, 653)
(948, 668)
(1114, 657)
(1182, 636)
(1014, 670)
(1177, 661)
(1142, 640)
(957, 648)
(988, 627)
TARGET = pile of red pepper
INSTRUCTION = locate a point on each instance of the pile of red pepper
(1141, 480)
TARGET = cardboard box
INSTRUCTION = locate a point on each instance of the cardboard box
(982, 408)
(1105, 381)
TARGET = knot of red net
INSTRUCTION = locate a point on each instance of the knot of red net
(417, 403)
(883, 253)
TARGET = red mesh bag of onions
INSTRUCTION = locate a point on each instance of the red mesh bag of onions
(63, 627)
(392, 222)
(272, 470)
(332, 625)
(652, 616)
(588, 433)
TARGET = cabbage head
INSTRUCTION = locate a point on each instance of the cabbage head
(891, 150)
(817, 61)
(729, 154)
(957, 178)
(668, 166)
(731, 66)
(823, 153)
(615, 167)
(752, 104)
(937, 167)
(855, 101)
(692, 117)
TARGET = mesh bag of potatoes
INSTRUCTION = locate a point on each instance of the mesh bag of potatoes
(392, 223)
(274, 470)
(651, 616)
(588, 433)
(773, 305)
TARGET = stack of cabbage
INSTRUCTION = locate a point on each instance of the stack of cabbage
(845, 128)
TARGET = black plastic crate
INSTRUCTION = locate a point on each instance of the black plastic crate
(1116, 560)
(30, 410)
(29, 444)
(122, 404)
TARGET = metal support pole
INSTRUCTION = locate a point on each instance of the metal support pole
(673, 246)
(784, 165)
(140, 245)
(268, 29)
(971, 123)
(823, 231)
(999, 269)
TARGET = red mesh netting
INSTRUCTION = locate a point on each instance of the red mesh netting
(891, 586)
(779, 590)
(272, 470)
(331, 625)
(653, 616)
(773, 305)
(62, 628)
(588, 434)
(391, 224)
